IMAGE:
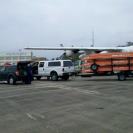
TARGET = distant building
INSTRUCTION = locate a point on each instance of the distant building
(35, 58)
(14, 57)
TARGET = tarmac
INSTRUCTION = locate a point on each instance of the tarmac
(80, 105)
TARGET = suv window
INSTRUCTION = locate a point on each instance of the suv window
(2, 68)
(11, 68)
(67, 63)
(7, 68)
(58, 63)
(41, 64)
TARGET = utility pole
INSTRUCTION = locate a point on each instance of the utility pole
(20, 54)
(93, 39)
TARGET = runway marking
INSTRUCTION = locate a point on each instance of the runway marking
(31, 116)
(41, 116)
(73, 88)
(77, 89)
(24, 94)
(55, 86)
(18, 89)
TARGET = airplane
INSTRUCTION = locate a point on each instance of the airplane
(69, 51)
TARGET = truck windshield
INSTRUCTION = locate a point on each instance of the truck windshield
(11, 68)
(67, 63)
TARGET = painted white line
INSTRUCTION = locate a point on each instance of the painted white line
(26, 88)
(50, 86)
(19, 89)
(78, 90)
(31, 116)
(41, 116)
(24, 94)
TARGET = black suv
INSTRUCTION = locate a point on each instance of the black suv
(13, 73)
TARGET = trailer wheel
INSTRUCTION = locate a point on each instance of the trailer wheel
(94, 67)
(121, 76)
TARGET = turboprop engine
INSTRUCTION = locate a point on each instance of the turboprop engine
(104, 52)
(128, 49)
(72, 52)
(69, 53)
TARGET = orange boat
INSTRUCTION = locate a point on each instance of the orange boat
(120, 63)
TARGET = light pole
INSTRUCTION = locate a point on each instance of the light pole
(20, 54)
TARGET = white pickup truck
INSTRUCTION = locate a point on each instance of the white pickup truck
(53, 69)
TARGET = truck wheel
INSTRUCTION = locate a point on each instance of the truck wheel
(54, 76)
(48, 78)
(38, 77)
(11, 80)
(66, 77)
(94, 67)
(121, 77)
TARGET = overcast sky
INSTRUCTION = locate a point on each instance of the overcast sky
(70, 22)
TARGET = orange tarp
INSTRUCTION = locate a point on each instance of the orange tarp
(103, 62)
(116, 61)
(86, 71)
(105, 69)
(114, 55)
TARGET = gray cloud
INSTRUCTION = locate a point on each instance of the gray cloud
(49, 23)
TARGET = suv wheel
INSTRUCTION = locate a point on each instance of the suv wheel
(54, 76)
(48, 78)
(38, 77)
(11, 80)
(66, 77)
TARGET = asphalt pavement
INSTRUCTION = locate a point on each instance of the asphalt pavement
(80, 105)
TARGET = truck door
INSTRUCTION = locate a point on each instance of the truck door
(41, 68)
(3, 73)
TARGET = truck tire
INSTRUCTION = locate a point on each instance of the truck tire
(48, 78)
(38, 77)
(66, 77)
(121, 76)
(54, 76)
(11, 80)
(94, 67)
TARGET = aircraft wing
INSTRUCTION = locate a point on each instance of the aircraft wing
(77, 48)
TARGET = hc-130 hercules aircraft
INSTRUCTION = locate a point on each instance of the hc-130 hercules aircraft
(72, 50)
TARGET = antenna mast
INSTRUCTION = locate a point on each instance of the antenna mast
(93, 39)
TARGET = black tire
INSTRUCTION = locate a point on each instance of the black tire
(38, 77)
(48, 78)
(121, 77)
(27, 80)
(66, 77)
(94, 67)
(11, 80)
(54, 76)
